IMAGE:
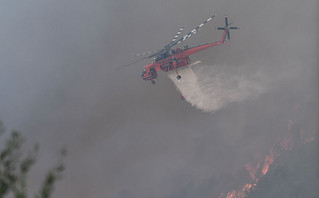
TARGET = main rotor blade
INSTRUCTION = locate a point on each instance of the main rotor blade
(177, 34)
(138, 60)
(161, 50)
(194, 31)
(124, 66)
(142, 54)
(167, 47)
(152, 53)
(156, 53)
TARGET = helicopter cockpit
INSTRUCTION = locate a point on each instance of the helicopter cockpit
(149, 73)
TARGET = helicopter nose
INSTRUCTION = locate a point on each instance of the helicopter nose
(143, 76)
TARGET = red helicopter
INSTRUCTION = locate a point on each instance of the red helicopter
(167, 59)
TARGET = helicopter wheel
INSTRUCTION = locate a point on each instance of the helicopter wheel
(153, 82)
(178, 77)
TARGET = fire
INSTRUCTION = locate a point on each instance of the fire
(306, 139)
(286, 143)
(268, 161)
(257, 171)
(252, 170)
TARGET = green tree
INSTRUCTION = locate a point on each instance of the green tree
(15, 166)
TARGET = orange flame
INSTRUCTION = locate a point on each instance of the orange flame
(252, 170)
(306, 139)
(285, 144)
(268, 161)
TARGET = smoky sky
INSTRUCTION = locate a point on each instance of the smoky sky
(128, 138)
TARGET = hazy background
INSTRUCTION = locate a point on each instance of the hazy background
(128, 138)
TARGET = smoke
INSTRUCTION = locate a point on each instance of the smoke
(210, 88)
(129, 138)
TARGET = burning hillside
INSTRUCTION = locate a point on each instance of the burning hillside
(292, 145)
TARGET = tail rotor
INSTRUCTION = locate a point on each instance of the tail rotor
(227, 27)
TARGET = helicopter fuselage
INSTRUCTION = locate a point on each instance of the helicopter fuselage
(175, 59)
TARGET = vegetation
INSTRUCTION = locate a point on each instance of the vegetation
(15, 166)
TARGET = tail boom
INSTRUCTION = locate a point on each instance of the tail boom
(202, 47)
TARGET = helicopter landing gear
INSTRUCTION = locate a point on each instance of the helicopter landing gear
(153, 82)
(178, 77)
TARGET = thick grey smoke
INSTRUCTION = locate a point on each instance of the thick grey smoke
(128, 138)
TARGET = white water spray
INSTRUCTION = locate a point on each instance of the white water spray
(208, 89)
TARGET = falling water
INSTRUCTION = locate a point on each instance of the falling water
(210, 88)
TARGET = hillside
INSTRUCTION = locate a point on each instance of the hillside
(294, 174)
